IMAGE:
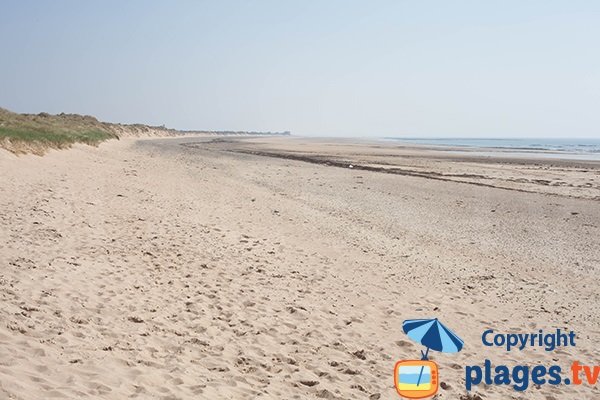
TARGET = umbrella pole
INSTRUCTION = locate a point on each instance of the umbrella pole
(422, 367)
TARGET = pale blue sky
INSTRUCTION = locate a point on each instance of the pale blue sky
(522, 68)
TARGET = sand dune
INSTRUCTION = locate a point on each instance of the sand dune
(148, 269)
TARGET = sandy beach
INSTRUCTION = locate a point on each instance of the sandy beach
(283, 268)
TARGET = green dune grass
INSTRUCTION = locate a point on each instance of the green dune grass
(55, 138)
(20, 132)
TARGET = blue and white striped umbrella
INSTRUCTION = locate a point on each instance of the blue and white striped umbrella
(432, 334)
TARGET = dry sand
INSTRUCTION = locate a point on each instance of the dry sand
(193, 268)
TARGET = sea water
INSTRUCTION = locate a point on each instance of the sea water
(583, 149)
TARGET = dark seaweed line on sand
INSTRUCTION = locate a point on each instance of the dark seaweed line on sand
(396, 171)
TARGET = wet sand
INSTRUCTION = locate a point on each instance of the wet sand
(268, 267)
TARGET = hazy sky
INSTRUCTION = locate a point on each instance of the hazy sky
(521, 68)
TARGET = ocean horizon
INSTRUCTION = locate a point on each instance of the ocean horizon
(558, 147)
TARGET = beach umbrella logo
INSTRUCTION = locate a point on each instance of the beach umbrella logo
(418, 379)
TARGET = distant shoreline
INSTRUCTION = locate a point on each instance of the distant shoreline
(561, 148)
(37, 133)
